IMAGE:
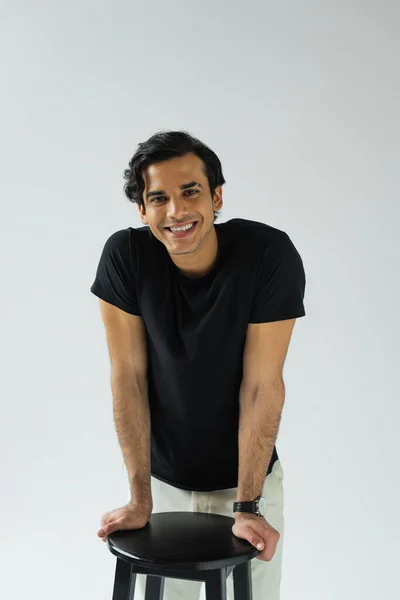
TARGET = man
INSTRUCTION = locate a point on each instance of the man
(198, 319)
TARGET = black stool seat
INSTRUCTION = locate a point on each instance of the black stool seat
(182, 545)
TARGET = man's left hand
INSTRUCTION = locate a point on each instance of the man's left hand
(257, 531)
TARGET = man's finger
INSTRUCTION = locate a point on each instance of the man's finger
(108, 517)
(113, 526)
(106, 527)
(255, 541)
(253, 538)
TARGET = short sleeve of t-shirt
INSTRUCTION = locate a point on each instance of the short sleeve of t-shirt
(115, 276)
(280, 285)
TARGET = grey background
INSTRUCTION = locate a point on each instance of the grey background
(300, 101)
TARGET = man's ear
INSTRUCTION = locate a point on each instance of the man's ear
(217, 198)
(142, 214)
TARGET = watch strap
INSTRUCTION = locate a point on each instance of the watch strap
(249, 507)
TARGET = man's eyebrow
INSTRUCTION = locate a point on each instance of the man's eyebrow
(184, 186)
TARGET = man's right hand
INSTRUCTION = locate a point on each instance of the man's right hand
(130, 516)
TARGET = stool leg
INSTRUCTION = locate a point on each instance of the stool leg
(216, 584)
(124, 581)
(154, 587)
(242, 584)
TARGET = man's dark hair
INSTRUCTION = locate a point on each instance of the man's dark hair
(165, 145)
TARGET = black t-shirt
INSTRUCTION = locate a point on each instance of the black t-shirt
(195, 331)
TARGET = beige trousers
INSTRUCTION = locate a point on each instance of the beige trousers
(266, 576)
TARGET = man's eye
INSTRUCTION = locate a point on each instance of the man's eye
(162, 197)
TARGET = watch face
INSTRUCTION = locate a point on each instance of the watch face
(262, 506)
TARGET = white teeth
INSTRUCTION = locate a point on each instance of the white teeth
(182, 228)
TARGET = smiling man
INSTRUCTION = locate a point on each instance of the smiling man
(198, 318)
(189, 235)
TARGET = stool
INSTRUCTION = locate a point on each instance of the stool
(183, 545)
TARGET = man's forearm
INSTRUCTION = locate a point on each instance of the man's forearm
(132, 422)
(260, 415)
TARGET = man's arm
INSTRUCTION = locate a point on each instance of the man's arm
(261, 399)
(127, 348)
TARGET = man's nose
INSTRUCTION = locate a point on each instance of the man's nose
(177, 207)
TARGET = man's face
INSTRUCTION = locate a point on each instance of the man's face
(177, 193)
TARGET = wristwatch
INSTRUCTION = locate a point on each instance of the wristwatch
(257, 507)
